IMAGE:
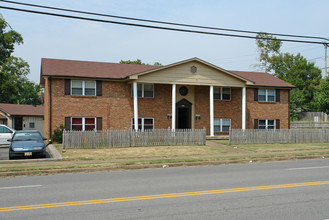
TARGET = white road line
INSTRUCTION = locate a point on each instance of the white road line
(308, 168)
(18, 187)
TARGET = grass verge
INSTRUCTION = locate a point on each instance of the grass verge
(214, 153)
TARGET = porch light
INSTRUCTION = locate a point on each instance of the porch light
(197, 117)
(169, 116)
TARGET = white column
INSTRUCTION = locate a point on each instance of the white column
(211, 95)
(173, 107)
(244, 105)
(135, 105)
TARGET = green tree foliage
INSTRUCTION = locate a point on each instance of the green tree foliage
(294, 69)
(14, 86)
(8, 39)
(322, 98)
(138, 61)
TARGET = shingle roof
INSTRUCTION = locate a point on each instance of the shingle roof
(263, 79)
(102, 70)
(67, 68)
(19, 109)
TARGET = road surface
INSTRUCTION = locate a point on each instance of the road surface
(279, 190)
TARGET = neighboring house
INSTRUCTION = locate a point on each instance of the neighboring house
(189, 94)
(22, 117)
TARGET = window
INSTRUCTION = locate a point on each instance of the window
(31, 122)
(266, 123)
(144, 90)
(266, 95)
(83, 88)
(222, 124)
(221, 93)
(83, 124)
(143, 123)
(5, 130)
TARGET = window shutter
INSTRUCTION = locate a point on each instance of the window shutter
(67, 87)
(256, 124)
(255, 94)
(277, 95)
(99, 123)
(67, 123)
(99, 88)
(277, 123)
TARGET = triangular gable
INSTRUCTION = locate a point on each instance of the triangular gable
(191, 72)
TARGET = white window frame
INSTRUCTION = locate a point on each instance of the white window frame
(221, 93)
(142, 125)
(83, 87)
(221, 124)
(84, 122)
(266, 95)
(143, 89)
(266, 124)
(32, 120)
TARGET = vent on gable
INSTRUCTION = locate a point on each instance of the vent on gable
(194, 69)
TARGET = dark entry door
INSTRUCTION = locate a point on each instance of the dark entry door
(183, 109)
(18, 123)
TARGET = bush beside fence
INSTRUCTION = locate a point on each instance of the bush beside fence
(282, 136)
(131, 138)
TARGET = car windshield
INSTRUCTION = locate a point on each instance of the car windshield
(27, 137)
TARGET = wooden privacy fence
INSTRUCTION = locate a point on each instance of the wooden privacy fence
(309, 124)
(127, 138)
(282, 136)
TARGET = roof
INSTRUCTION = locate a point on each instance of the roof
(263, 79)
(102, 70)
(72, 68)
(19, 109)
(2, 116)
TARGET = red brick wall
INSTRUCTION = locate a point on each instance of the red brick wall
(222, 109)
(158, 107)
(115, 106)
(268, 110)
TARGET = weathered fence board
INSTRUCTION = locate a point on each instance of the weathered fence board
(283, 136)
(126, 138)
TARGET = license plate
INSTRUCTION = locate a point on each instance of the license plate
(27, 153)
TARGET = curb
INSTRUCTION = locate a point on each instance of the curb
(55, 155)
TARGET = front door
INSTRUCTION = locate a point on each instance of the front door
(18, 123)
(183, 112)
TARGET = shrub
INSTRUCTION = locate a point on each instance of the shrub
(58, 134)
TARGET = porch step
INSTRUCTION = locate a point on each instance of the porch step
(218, 137)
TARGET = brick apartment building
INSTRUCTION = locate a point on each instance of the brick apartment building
(189, 94)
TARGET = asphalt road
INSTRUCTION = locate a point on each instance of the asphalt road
(209, 192)
(4, 154)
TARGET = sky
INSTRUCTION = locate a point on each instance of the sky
(62, 38)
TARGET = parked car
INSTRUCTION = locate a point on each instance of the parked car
(27, 144)
(5, 134)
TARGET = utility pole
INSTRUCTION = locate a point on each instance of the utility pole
(325, 60)
(325, 68)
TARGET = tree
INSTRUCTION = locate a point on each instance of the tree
(15, 88)
(294, 69)
(322, 98)
(138, 61)
(8, 38)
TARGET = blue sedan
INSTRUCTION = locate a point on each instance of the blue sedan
(27, 144)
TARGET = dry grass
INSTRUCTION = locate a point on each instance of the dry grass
(140, 152)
